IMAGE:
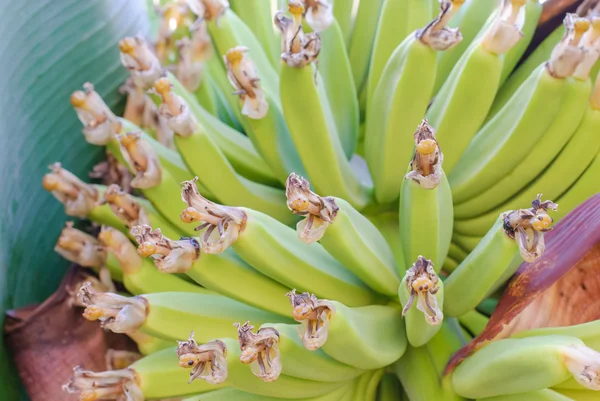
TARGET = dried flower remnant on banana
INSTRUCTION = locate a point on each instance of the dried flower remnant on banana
(318, 14)
(169, 256)
(174, 109)
(110, 172)
(426, 165)
(207, 361)
(193, 54)
(119, 359)
(79, 247)
(591, 43)
(125, 252)
(101, 284)
(437, 35)
(568, 53)
(299, 49)
(175, 17)
(208, 9)
(314, 315)
(584, 364)
(141, 158)
(125, 206)
(78, 197)
(422, 283)
(228, 221)
(99, 123)
(260, 350)
(506, 30)
(242, 74)
(319, 211)
(110, 385)
(140, 61)
(115, 312)
(527, 227)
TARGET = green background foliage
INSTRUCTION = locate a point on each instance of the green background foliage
(48, 49)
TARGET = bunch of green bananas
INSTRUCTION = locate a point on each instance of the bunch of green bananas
(427, 151)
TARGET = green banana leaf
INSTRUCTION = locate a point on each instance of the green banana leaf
(48, 49)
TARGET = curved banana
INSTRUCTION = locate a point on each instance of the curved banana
(368, 337)
(425, 211)
(576, 395)
(390, 388)
(537, 395)
(449, 265)
(516, 236)
(345, 233)
(148, 344)
(291, 262)
(388, 226)
(366, 385)
(396, 108)
(309, 118)
(423, 321)
(484, 56)
(588, 332)
(224, 273)
(511, 134)
(473, 321)
(466, 242)
(234, 394)
(512, 366)
(457, 253)
(585, 186)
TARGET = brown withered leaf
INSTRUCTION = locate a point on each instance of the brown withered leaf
(561, 288)
(48, 340)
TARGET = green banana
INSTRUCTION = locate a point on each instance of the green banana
(301, 98)
(588, 332)
(484, 56)
(366, 386)
(466, 242)
(511, 134)
(425, 211)
(449, 264)
(368, 337)
(516, 236)
(291, 262)
(390, 388)
(168, 315)
(537, 395)
(424, 321)
(585, 186)
(444, 345)
(576, 395)
(396, 109)
(148, 344)
(343, 12)
(511, 366)
(238, 395)
(456, 252)
(387, 225)
(473, 321)
(345, 233)
(224, 273)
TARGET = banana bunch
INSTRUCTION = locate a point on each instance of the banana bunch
(334, 193)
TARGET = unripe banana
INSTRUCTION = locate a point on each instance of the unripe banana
(390, 388)
(519, 365)
(585, 187)
(425, 211)
(576, 395)
(538, 395)
(148, 344)
(345, 233)
(388, 227)
(588, 332)
(234, 394)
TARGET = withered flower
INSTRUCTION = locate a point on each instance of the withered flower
(506, 30)
(437, 35)
(208, 9)
(422, 283)
(299, 49)
(426, 165)
(260, 350)
(591, 44)
(318, 14)
(142, 158)
(119, 359)
(140, 61)
(207, 360)
(314, 315)
(125, 206)
(174, 109)
(99, 123)
(567, 55)
(79, 247)
(78, 197)
(169, 256)
(319, 211)
(118, 385)
(125, 252)
(194, 52)
(242, 74)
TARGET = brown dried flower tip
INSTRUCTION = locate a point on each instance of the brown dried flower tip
(174, 16)
(527, 227)
(568, 53)
(299, 49)
(228, 221)
(314, 315)
(169, 256)
(426, 165)
(208, 9)
(422, 283)
(79, 247)
(505, 31)
(174, 109)
(260, 350)
(242, 74)
(125, 206)
(142, 158)
(437, 35)
(115, 312)
(78, 197)
(193, 54)
(318, 14)
(320, 211)
(591, 43)
(99, 123)
(101, 284)
(141, 62)
(117, 243)
(110, 385)
(119, 359)
(111, 171)
(207, 360)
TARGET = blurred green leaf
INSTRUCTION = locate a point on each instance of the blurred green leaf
(48, 49)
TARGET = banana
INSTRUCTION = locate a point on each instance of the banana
(512, 366)
(168, 315)
(449, 265)
(147, 344)
(261, 115)
(224, 273)
(228, 112)
(456, 252)
(387, 225)
(588, 332)
(152, 377)
(585, 186)
(291, 262)
(516, 236)
(366, 386)
(510, 135)
(576, 395)
(368, 337)
(228, 186)
(425, 210)
(390, 388)
(444, 345)
(467, 242)
(238, 395)
(344, 14)
(566, 121)
(537, 395)
(484, 56)
(309, 118)
(422, 322)
(396, 108)
(345, 233)
(473, 321)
